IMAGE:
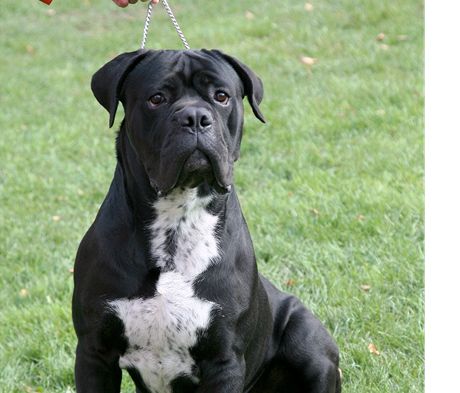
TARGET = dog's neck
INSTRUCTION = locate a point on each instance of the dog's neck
(184, 234)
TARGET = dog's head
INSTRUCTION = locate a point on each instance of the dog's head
(183, 112)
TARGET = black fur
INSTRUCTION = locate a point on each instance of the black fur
(260, 339)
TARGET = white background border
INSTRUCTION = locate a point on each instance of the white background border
(442, 146)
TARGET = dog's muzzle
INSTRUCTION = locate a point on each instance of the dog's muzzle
(194, 152)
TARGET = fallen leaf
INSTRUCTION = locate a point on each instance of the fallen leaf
(380, 37)
(309, 61)
(373, 349)
(30, 49)
(290, 282)
(402, 37)
(23, 292)
(315, 212)
(365, 287)
(249, 15)
(56, 218)
(308, 7)
(360, 217)
(384, 47)
(51, 12)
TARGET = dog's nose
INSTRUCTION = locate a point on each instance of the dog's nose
(195, 118)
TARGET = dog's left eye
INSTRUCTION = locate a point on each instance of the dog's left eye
(157, 99)
(221, 96)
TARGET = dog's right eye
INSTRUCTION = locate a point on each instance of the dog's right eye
(157, 99)
(221, 96)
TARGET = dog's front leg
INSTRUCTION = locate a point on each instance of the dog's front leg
(95, 371)
(222, 376)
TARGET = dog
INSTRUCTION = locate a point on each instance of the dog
(166, 281)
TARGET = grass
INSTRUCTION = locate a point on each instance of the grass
(332, 186)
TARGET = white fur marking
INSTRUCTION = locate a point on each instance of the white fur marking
(161, 330)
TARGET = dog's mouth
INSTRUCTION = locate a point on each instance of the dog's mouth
(199, 167)
(196, 170)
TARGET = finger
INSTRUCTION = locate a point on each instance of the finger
(121, 3)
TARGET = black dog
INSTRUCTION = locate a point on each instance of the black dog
(166, 282)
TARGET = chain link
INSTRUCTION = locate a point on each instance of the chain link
(173, 20)
(148, 17)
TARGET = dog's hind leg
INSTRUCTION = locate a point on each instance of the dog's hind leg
(309, 351)
(307, 358)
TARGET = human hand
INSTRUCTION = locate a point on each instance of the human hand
(125, 3)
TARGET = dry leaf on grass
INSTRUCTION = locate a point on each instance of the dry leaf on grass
(309, 61)
(23, 292)
(30, 49)
(373, 349)
(308, 7)
(315, 212)
(365, 287)
(290, 282)
(56, 218)
(380, 37)
(249, 15)
(384, 47)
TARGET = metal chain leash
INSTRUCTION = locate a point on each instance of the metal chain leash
(148, 18)
(175, 24)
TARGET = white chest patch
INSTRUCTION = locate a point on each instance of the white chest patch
(160, 330)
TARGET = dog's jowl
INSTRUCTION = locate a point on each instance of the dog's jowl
(166, 283)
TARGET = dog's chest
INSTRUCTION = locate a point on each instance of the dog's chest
(160, 330)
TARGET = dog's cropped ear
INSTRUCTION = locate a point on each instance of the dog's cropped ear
(107, 82)
(253, 87)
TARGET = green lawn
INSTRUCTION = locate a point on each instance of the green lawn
(332, 185)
